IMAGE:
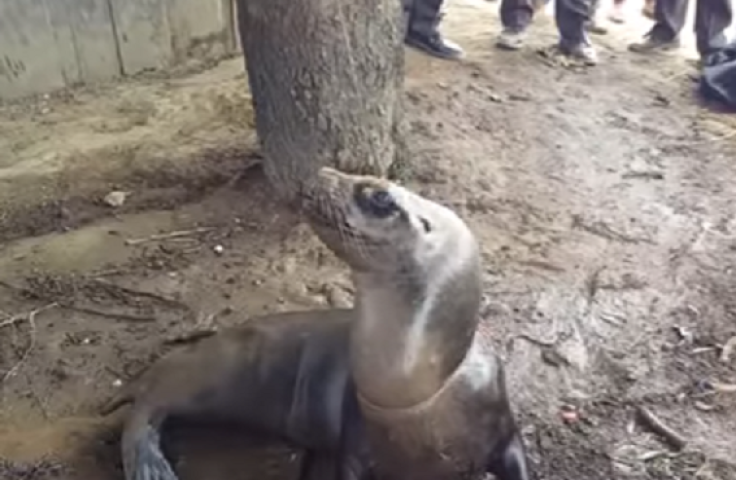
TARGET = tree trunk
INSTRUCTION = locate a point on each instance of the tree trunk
(326, 78)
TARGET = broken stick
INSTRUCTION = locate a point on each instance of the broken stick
(166, 236)
(657, 426)
(32, 323)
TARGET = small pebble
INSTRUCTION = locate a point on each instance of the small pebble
(115, 199)
(117, 383)
(569, 414)
(337, 297)
(218, 249)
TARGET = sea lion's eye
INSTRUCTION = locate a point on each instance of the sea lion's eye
(382, 204)
(376, 202)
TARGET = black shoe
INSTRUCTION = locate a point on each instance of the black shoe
(654, 45)
(434, 45)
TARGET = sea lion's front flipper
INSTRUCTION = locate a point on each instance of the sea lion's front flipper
(354, 461)
(318, 466)
(512, 463)
(143, 458)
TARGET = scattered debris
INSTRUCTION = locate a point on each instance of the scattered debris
(602, 230)
(190, 337)
(724, 387)
(728, 349)
(612, 319)
(553, 56)
(40, 470)
(657, 426)
(115, 199)
(591, 285)
(651, 455)
(166, 236)
(551, 356)
(645, 175)
(661, 100)
(31, 318)
(113, 315)
(519, 97)
(68, 304)
(140, 293)
(686, 336)
(704, 407)
(494, 97)
(569, 414)
(337, 297)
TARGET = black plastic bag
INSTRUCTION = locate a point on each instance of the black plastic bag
(718, 78)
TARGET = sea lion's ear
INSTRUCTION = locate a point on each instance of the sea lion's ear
(425, 223)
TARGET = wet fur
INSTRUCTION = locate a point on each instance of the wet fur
(284, 376)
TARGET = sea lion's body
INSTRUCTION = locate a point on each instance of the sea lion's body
(403, 387)
(284, 376)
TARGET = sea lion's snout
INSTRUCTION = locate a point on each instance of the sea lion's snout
(358, 217)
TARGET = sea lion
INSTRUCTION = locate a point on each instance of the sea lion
(291, 375)
(283, 375)
(431, 390)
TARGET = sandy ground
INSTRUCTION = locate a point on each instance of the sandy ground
(603, 199)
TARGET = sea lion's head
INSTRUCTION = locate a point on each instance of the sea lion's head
(378, 226)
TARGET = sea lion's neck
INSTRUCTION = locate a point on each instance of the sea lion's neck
(410, 337)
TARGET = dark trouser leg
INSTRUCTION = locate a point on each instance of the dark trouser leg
(595, 5)
(669, 18)
(516, 15)
(592, 25)
(712, 18)
(571, 17)
(424, 16)
(422, 28)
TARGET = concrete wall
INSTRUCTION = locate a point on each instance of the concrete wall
(50, 44)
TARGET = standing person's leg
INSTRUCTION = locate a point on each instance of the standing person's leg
(571, 17)
(712, 18)
(617, 14)
(593, 25)
(516, 16)
(669, 18)
(648, 10)
(422, 29)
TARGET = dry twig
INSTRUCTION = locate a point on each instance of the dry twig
(91, 311)
(166, 236)
(115, 316)
(31, 317)
(656, 425)
(724, 387)
(140, 293)
(189, 337)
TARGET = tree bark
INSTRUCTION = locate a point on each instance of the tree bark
(326, 78)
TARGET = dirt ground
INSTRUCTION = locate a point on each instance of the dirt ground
(602, 197)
